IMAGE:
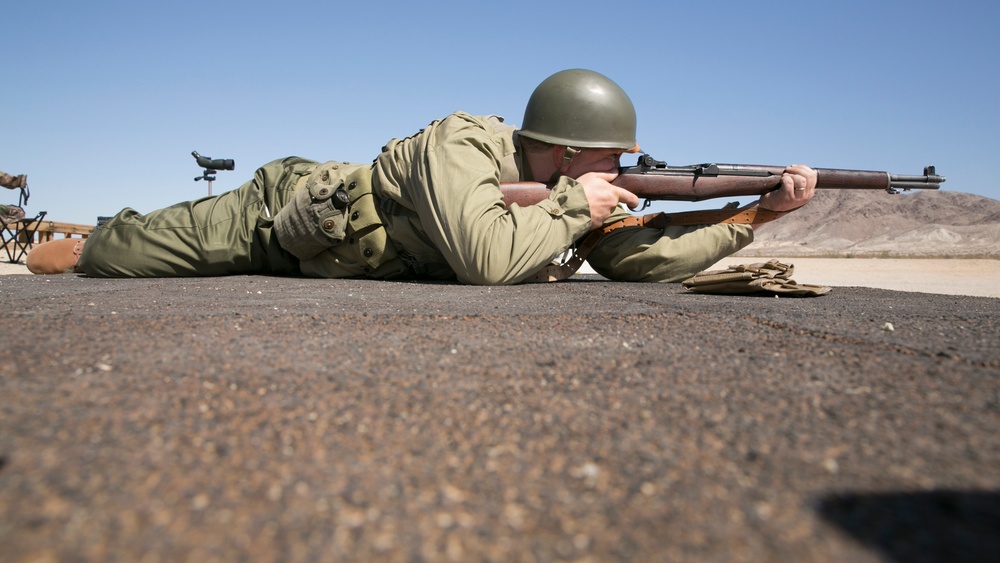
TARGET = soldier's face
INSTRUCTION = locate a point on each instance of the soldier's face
(594, 160)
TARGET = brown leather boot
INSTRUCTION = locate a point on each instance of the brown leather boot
(55, 257)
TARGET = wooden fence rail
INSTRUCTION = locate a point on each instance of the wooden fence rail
(47, 230)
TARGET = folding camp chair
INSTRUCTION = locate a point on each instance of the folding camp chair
(17, 231)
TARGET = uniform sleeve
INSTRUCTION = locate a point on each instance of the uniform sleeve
(672, 254)
(461, 209)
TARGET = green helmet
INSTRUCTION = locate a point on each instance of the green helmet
(582, 109)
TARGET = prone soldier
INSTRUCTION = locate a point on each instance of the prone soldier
(430, 206)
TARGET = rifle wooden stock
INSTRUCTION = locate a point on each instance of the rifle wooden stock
(653, 180)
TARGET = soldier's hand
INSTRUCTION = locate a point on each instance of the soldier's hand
(798, 184)
(603, 197)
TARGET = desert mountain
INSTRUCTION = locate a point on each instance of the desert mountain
(874, 223)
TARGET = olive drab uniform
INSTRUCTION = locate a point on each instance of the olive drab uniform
(429, 206)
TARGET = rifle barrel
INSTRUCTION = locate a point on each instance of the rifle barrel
(927, 181)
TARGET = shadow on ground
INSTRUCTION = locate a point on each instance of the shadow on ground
(929, 526)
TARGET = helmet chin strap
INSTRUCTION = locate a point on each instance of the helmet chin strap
(567, 159)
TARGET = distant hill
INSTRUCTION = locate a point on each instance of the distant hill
(874, 223)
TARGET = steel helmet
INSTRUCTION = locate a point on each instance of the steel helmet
(581, 109)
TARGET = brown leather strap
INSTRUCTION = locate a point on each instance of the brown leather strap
(751, 214)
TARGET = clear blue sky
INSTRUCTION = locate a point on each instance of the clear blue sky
(103, 102)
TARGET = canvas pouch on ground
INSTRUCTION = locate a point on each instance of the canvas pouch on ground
(771, 277)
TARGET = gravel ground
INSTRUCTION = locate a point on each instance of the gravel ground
(270, 419)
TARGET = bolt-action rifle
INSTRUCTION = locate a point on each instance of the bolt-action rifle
(653, 180)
